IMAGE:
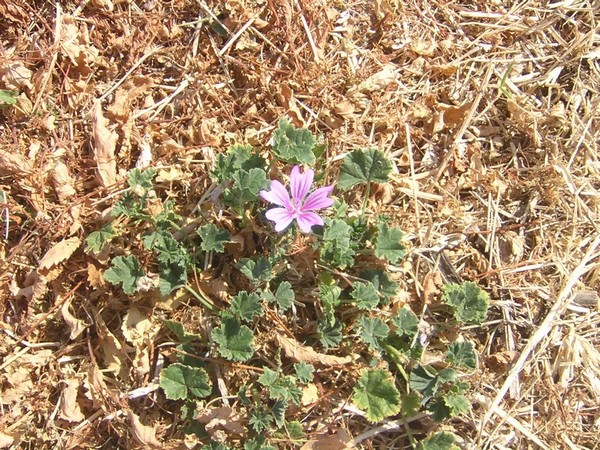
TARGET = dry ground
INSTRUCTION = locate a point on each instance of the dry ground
(489, 110)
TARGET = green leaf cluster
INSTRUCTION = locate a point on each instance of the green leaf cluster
(180, 382)
(126, 271)
(213, 238)
(468, 301)
(241, 172)
(8, 97)
(363, 167)
(336, 246)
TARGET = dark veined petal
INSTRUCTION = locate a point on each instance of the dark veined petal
(278, 195)
(300, 183)
(307, 220)
(281, 216)
(318, 199)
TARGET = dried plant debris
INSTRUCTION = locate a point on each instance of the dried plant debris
(282, 224)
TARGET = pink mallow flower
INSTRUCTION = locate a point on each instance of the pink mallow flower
(299, 207)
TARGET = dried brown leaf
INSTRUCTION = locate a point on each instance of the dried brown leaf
(310, 394)
(221, 418)
(62, 182)
(6, 440)
(144, 434)
(338, 441)
(76, 326)
(105, 143)
(69, 407)
(303, 353)
(14, 75)
(12, 163)
(76, 45)
(59, 252)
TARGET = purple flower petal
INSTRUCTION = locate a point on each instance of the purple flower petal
(300, 183)
(278, 195)
(318, 199)
(281, 216)
(307, 220)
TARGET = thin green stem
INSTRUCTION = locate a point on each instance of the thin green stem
(201, 298)
(366, 199)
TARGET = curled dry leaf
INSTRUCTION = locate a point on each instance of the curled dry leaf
(15, 75)
(144, 434)
(69, 407)
(58, 253)
(303, 353)
(75, 325)
(339, 441)
(77, 45)
(12, 163)
(105, 142)
(62, 182)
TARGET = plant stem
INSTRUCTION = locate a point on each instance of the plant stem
(201, 298)
(366, 199)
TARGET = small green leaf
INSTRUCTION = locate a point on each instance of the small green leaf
(330, 300)
(406, 322)
(336, 247)
(258, 271)
(235, 340)
(457, 403)
(126, 271)
(439, 410)
(373, 331)
(278, 411)
(365, 295)
(294, 430)
(237, 157)
(246, 306)
(178, 381)
(97, 239)
(462, 354)
(8, 97)
(330, 335)
(213, 238)
(439, 441)
(171, 276)
(388, 244)
(293, 145)
(284, 296)
(304, 371)
(260, 420)
(183, 336)
(141, 181)
(362, 167)
(246, 186)
(468, 301)
(424, 379)
(376, 395)
(382, 282)
(268, 377)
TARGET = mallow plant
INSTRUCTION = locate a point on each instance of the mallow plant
(308, 265)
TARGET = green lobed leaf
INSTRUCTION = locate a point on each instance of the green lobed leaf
(246, 186)
(462, 354)
(278, 411)
(424, 379)
(97, 239)
(284, 296)
(439, 441)
(365, 295)
(330, 335)
(171, 276)
(439, 410)
(179, 381)
(304, 371)
(376, 395)
(292, 144)
(258, 271)
(362, 167)
(213, 238)
(294, 430)
(406, 322)
(260, 420)
(388, 245)
(234, 340)
(457, 404)
(335, 247)
(237, 157)
(382, 282)
(183, 336)
(330, 300)
(373, 331)
(140, 181)
(468, 301)
(8, 97)
(246, 306)
(125, 271)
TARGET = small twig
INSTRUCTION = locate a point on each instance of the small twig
(311, 41)
(236, 36)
